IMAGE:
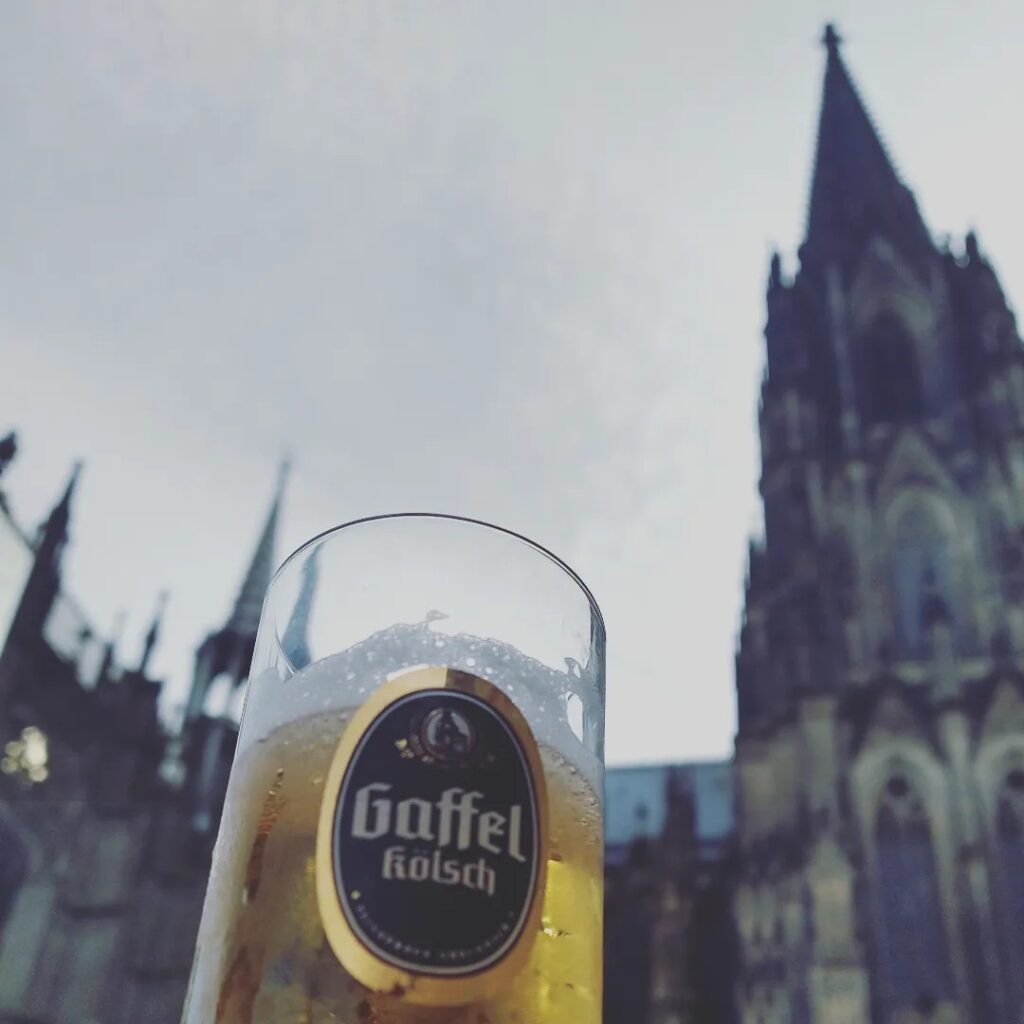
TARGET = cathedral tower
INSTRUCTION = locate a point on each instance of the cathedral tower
(219, 677)
(40, 589)
(880, 749)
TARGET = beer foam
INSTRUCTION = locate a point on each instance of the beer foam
(344, 680)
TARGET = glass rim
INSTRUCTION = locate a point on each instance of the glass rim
(448, 517)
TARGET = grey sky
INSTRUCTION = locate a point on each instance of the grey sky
(503, 260)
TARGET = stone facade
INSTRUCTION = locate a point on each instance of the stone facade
(879, 873)
(106, 821)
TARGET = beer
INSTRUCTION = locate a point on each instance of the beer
(412, 830)
(263, 957)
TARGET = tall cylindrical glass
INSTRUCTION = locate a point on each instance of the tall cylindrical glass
(412, 832)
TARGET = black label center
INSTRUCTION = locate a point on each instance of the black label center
(436, 835)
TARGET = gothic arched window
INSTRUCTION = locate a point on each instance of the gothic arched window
(890, 378)
(913, 953)
(923, 576)
(1010, 846)
(13, 868)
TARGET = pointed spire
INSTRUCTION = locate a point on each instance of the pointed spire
(106, 670)
(8, 449)
(971, 249)
(53, 533)
(56, 525)
(855, 189)
(245, 617)
(69, 491)
(153, 633)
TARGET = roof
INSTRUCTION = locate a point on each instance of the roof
(635, 800)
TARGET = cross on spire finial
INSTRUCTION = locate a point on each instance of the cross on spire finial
(831, 39)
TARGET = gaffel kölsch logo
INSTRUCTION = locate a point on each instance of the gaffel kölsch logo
(436, 831)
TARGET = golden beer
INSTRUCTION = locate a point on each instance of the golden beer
(263, 956)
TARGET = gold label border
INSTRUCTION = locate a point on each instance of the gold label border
(424, 988)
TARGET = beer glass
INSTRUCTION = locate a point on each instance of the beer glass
(412, 831)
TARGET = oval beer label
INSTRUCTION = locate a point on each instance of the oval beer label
(431, 843)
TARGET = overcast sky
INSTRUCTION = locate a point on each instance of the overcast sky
(506, 260)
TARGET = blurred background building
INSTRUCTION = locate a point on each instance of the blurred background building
(879, 762)
(863, 858)
(107, 820)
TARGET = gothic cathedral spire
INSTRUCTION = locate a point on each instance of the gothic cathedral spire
(226, 654)
(855, 189)
(245, 616)
(55, 530)
(43, 583)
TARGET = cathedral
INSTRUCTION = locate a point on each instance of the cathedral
(107, 820)
(860, 861)
(879, 768)
(868, 865)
